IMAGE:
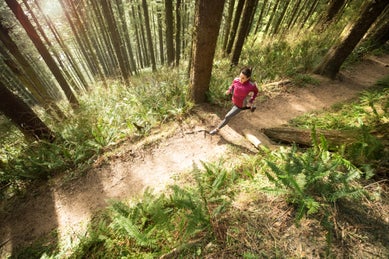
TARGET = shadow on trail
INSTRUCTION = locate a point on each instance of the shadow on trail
(25, 217)
(35, 223)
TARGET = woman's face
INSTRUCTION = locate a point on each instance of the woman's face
(243, 78)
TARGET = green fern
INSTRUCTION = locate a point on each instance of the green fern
(313, 179)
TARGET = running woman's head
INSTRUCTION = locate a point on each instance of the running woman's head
(245, 74)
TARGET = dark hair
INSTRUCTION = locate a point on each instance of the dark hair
(246, 71)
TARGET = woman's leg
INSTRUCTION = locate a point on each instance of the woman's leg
(234, 111)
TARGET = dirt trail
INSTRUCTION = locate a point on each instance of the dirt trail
(68, 205)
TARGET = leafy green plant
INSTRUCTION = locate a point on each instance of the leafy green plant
(313, 179)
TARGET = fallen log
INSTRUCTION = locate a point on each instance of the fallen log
(304, 136)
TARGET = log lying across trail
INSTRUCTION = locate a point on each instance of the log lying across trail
(304, 136)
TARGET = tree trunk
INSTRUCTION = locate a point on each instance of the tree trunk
(280, 18)
(77, 75)
(178, 32)
(116, 40)
(160, 37)
(22, 116)
(380, 34)
(148, 35)
(227, 24)
(84, 44)
(31, 32)
(137, 38)
(333, 9)
(143, 38)
(296, 9)
(259, 21)
(208, 14)
(169, 32)
(337, 55)
(272, 15)
(30, 80)
(32, 83)
(126, 36)
(237, 15)
(244, 27)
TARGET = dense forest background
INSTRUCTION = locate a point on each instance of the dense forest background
(78, 76)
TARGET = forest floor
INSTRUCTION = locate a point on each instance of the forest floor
(64, 205)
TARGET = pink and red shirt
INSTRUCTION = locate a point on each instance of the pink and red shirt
(241, 91)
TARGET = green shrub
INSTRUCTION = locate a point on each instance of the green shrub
(313, 179)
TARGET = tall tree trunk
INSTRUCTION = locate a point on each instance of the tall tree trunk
(31, 32)
(169, 32)
(227, 24)
(244, 27)
(259, 21)
(23, 116)
(296, 9)
(237, 16)
(160, 37)
(31, 81)
(312, 9)
(380, 33)
(143, 38)
(137, 38)
(337, 55)
(281, 17)
(126, 36)
(77, 75)
(208, 14)
(178, 32)
(148, 34)
(272, 15)
(84, 44)
(116, 40)
(66, 70)
(334, 8)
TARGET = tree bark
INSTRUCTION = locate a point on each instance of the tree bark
(208, 14)
(235, 24)
(272, 15)
(280, 18)
(333, 9)
(337, 55)
(23, 116)
(244, 27)
(380, 33)
(169, 32)
(148, 35)
(261, 15)
(178, 32)
(227, 24)
(126, 36)
(116, 40)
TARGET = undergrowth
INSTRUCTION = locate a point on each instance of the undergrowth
(105, 117)
(198, 219)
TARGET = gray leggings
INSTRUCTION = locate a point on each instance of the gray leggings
(234, 111)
